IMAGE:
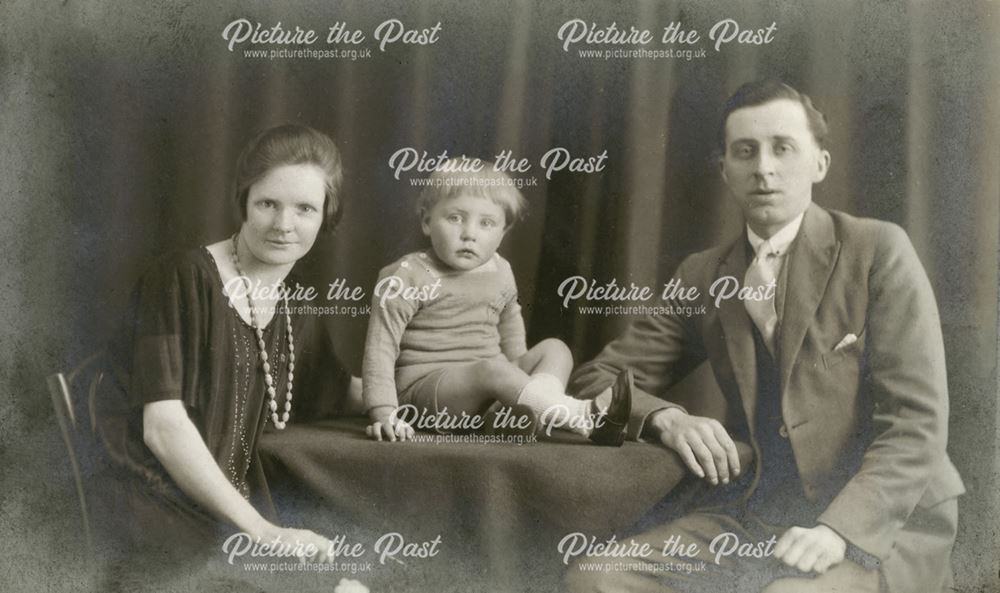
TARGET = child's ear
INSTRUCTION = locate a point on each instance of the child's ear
(425, 223)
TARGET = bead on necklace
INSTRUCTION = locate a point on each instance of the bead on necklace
(279, 422)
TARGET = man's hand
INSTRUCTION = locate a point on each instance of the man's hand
(702, 443)
(385, 422)
(815, 549)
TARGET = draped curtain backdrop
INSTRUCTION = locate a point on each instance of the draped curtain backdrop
(122, 125)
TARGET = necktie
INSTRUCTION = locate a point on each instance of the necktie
(760, 275)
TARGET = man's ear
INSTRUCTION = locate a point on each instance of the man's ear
(822, 165)
(722, 169)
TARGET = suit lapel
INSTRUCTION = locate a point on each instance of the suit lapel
(738, 331)
(809, 266)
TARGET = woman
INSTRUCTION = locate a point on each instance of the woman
(214, 353)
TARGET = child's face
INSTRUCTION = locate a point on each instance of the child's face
(465, 231)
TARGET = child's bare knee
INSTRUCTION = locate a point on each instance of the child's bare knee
(556, 349)
(490, 370)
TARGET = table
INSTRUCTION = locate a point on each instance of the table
(499, 509)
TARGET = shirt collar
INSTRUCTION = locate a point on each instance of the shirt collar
(780, 240)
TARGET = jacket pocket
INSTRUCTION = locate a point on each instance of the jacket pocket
(851, 351)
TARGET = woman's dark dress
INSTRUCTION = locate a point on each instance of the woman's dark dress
(184, 341)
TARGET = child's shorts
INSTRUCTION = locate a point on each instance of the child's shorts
(422, 392)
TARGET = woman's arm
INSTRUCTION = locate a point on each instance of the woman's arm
(177, 444)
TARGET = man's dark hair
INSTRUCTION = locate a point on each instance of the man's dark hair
(760, 92)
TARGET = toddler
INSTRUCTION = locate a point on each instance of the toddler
(446, 334)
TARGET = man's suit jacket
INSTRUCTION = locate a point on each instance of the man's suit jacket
(867, 421)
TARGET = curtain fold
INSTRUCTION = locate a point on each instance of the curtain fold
(133, 118)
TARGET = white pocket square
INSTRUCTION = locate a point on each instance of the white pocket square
(845, 342)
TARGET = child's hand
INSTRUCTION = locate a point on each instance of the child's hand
(385, 422)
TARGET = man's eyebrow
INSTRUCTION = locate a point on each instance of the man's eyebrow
(778, 137)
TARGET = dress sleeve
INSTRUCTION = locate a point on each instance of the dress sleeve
(511, 327)
(389, 318)
(171, 316)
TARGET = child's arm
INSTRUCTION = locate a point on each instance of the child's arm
(513, 343)
(388, 321)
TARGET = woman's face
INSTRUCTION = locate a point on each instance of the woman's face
(284, 213)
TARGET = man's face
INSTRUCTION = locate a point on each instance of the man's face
(771, 162)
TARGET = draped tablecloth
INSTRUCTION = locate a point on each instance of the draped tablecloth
(499, 509)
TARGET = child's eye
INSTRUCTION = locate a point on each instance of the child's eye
(454, 218)
(306, 209)
(783, 148)
(488, 223)
(266, 203)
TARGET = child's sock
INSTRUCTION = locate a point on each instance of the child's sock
(544, 392)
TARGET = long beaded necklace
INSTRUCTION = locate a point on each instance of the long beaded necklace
(279, 423)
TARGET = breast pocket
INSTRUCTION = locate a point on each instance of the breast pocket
(847, 352)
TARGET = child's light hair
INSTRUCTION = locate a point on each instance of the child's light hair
(448, 181)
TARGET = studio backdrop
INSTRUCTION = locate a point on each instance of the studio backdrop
(122, 124)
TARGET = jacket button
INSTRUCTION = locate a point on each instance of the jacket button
(783, 431)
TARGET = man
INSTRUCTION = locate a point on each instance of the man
(832, 364)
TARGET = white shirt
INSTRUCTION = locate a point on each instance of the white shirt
(779, 242)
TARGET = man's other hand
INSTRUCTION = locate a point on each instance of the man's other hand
(703, 444)
(815, 549)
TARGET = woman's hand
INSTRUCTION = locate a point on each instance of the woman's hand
(300, 540)
(385, 422)
(350, 586)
